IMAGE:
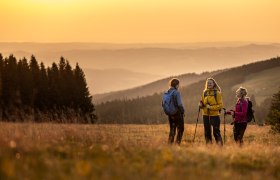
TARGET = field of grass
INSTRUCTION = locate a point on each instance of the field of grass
(60, 151)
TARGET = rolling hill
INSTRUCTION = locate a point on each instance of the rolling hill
(151, 88)
(100, 80)
(261, 78)
(262, 84)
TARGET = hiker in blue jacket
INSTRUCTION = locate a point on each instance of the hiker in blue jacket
(173, 107)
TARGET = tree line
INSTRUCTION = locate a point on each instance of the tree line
(148, 110)
(30, 91)
(273, 117)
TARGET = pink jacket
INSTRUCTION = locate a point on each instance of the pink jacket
(241, 111)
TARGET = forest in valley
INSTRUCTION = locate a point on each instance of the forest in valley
(30, 91)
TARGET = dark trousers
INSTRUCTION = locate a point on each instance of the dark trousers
(176, 122)
(238, 132)
(215, 122)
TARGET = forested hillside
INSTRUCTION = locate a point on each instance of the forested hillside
(148, 109)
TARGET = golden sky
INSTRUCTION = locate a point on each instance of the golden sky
(139, 21)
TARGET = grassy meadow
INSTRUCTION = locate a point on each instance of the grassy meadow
(72, 151)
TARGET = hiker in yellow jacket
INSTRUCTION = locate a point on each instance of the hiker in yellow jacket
(211, 104)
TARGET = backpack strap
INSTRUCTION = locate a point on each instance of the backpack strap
(215, 94)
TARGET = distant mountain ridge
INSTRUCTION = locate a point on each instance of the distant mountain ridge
(151, 88)
(39, 46)
(162, 60)
(151, 59)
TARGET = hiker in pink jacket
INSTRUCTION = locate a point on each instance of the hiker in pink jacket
(240, 115)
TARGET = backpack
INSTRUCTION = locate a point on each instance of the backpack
(215, 94)
(169, 103)
(250, 112)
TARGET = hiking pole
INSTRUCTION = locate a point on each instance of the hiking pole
(224, 125)
(196, 123)
(209, 118)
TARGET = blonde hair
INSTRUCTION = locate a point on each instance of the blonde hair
(216, 86)
(243, 91)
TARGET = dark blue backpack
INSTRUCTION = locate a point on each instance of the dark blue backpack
(250, 112)
(169, 103)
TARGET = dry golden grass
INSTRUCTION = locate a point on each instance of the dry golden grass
(60, 151)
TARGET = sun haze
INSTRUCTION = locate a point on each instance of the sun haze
(143, 21)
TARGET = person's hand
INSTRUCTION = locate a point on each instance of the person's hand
(200, 104)
(232, 113)
(229, 112)
(208, 106)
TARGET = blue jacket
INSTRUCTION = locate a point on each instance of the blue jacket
(177, 96)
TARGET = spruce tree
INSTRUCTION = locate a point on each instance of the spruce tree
(273, 117)
(69, 83)
(53, 91)
(25, 82)
(10, 81)
(1, 72)
(65, 83)
(35, 71)
(82, 96)
(43, 98)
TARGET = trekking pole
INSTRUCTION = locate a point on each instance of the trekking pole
(209, 118)
(196, 123)
(224, 125)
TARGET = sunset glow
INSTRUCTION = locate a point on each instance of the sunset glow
(124, 21)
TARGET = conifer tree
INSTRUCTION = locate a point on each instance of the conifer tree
(35, 72)
(83, 98)
(1, 87)
(25, 82)
(69, 83)
(10, 81)
(273, 117)
(53, 91)
(43, 98)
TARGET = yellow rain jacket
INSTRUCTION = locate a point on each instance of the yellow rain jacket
(216, 104)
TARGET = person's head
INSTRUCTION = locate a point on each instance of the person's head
(241, 92)
(174, 83)
(212, 84)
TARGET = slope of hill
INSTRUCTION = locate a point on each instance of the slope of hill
(100, 81)
(262, 84)
(151, 88)
(148, 110)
